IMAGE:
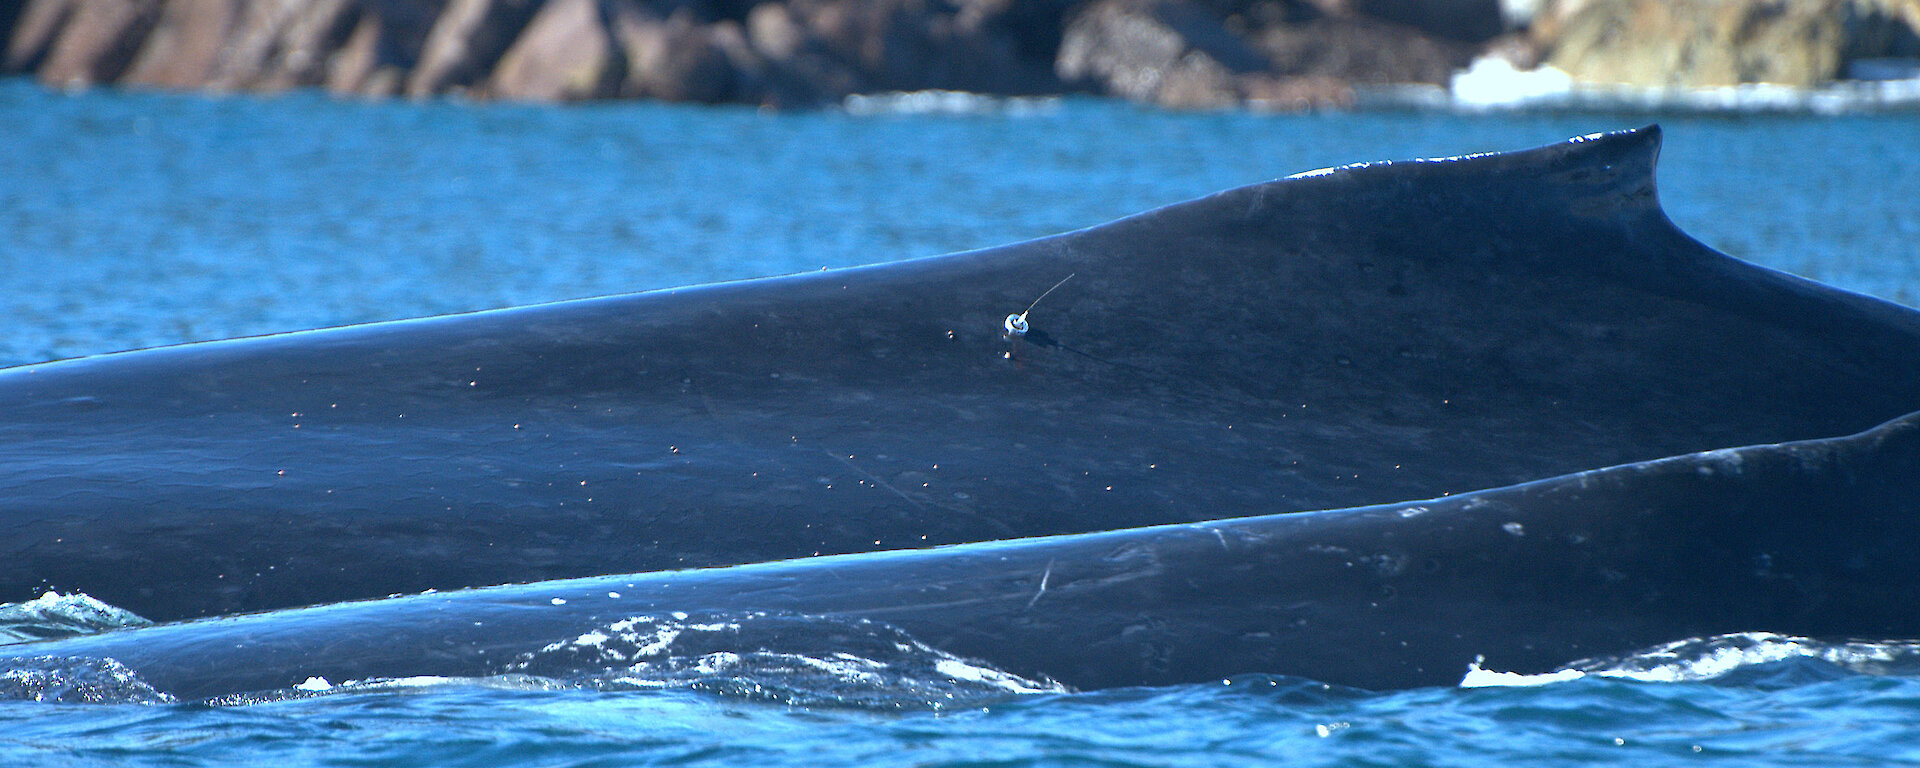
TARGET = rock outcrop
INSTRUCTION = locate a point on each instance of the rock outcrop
(381, 50)
(565, 54)
(1177, 54)
(1704, 43)
(95, 42)
(1280, 54)
(785, 53)
(1160, 51)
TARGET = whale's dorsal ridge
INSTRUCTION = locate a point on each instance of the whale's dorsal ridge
(1899, 436)
(1626, 158)
(1584, 208)
(1537, 198)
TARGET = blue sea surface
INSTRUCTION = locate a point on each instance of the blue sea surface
(1250, 720)
(139, 219)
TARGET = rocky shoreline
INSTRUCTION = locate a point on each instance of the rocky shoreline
(1197, 54)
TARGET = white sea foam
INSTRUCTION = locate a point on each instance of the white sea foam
(1479, 677)
(53, 615)
(1715, 657)
(791, 658)
(946, 103)
(75, 680)
(1493, 83)
(960, 669)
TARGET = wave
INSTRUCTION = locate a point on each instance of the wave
(793, 659)
(76, 680)
(1743, 657)
(785, 658)
(1493, 84)
(806, 660)
(938, 102)
(54, 615)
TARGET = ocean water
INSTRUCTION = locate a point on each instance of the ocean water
(1803, 714)
(139, 219)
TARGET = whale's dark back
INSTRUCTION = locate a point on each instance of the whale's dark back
(1358, 336)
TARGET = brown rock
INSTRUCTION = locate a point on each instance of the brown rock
(751, 81)
(674, 59)
(466, 42)
(243, 44)
(185, 44)
(1705, 43)
(282, 44)
(891, 44)
(382, 48)
(565, 54)
(800, 67)
(1197, 81)
(837, 47)
(1519, 49)
(1138, 48)
(1030, 31)
(35, 31)
(986, 45)
(353, 66)
(775, 33)
(98, 42)
(1360, 51)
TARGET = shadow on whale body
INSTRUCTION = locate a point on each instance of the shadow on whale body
(1342, 338)
(1811, 538)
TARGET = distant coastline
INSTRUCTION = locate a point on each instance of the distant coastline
(1183, 54)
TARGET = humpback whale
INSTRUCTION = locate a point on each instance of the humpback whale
(1337, 339)
(1812, 538)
